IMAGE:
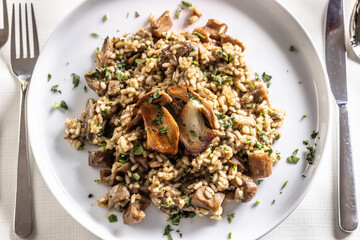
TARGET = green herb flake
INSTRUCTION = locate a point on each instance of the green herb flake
(304, 176)
(266, 77)
(220, 116)
(314, 134)
(158, 120)
(230, 235)
(306, 142)
(250, 106)
(62, 104)
(49, 77)
(137, 14)
(273, 201)
(106, 17)
(153, 96)
(291, 48)
(76, 80)
(187, 200)
(85, 89)
(138, 149)
(168, 231)
(136, 176)
(260, 181)
(123, 158)
(256, 76)
(187, 4)
(97, 180)
(257, 202)
(303, 116)
(55, 89)
(193, 133)
(295, 151)
(199, 35)
(284, 185)
(195, 63)
(228, 123)
(230, 217)
(163, 130)
(95, 35)
(178, 11)
(112, 218)
(293, 159)
(90, 195)
(248, 140)
(311, 154)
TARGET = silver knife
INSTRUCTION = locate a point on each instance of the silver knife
(336, 68)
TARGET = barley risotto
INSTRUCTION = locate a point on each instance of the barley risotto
(181, 121)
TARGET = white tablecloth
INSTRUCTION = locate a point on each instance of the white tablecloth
(315, 218)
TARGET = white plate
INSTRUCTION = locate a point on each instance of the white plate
(267, 30)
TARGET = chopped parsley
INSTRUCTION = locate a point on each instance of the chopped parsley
(303, 116)
(49, 77)
(97, 180)
(311, 154)
(256, 76)
(293, 159)
(230, 235)
(273, 201)
(195, 63)
(230, 217)
(163, 130)
(138, 61)
(284, 185)
(167, 232)
(193, 133)
(137, 14)
(112, 218)
(306, 142)
(314, 134)
(291, 48)
(90, 195)
(250, 106)
(138, 149)
(220, 116)
(228, 123)
(190, 95)
(123, 158)
(136, 176)
(187, 4)
(187, 200)
(257, 202)
(118, 74)
(76, 80)
(266, 77)
(106, 17)
(62, 104)
(295, 151)
(260, 181)
(176, 216)
(201, 139)
(158, 120)
(178, 11)
(55, 89)
(153, 96)
(85, 89)
(199, 35)
(95, 35)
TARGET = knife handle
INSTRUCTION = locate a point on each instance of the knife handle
(348, 216)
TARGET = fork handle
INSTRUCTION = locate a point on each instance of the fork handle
(347, 204)
(23, 208)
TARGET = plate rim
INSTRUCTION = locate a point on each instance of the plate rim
(60, 194)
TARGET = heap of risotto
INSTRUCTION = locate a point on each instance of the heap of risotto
(181, 121)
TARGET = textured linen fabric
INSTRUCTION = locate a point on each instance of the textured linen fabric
(315, 218)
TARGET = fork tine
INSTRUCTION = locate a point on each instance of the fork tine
(27, 32)
(21, 33)
(6, 23)
(36, 40)
(13, 49)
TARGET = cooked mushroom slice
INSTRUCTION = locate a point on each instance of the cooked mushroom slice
(202, 34)
(108, 177)
(162, 130)
(134, 212)
(101, 158)
(233, 41)
(182, 94)
(215, 28)
(185, 49)
(93, 81)
(118, 195)
(133, 58)
(234, 161)
(110, 112)
(167, 57)
(154, 96)
(162, 24)
(194, 134)
(209, 200)
(89, 113)
(260, 165)
(260, 94)
(250, 187)
(105, 52)
(143, 161)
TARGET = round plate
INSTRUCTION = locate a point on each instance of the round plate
(299, 85)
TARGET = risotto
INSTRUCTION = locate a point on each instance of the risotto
(181, 121)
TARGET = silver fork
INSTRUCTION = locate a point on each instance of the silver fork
(23, 67)
(4, 32)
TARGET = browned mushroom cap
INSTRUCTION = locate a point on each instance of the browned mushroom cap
(234, 161)
(162, 24)
(117, 194)
(250, 187)
(260, 94)
(215, 28)
(134, 212)
(260, 165)
(162, 130)
(182, 94)
(202, 34)
(154, 96)
(194, 133)
(101, 158)
(105, 52)
(202, 200)
(233, 41)
(133, 58)
(108, 178)
(93, 81)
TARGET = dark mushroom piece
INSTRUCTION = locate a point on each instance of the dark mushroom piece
(194, 133)
(213, 204)
(101, 158)
(133, 58)
(93, 81)
(250, 187)
(260, 165)
(108, 178)
(118, 194)
(235, 162)
(215, 28)
(260, 94)
(89, 113)
(162, 24)
(135, 211)
(233, 41)
(105, 52)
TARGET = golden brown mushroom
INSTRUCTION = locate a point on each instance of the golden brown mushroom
(260, 165)
(250, 187)
(210, 200)
(162, 24)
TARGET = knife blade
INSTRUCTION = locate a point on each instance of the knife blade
(335, 53)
